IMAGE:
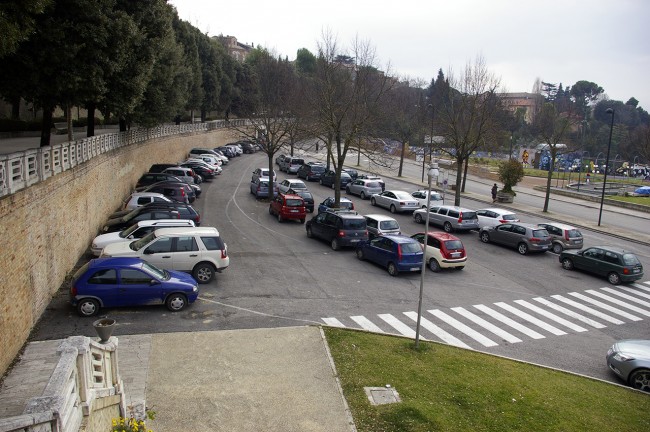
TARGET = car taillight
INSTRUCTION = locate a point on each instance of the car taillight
(224, 253)
(182, 192)
(502, 221)
(73, 291)
(352, 208)
(341, 233)
(399, 252)
(198, 219)
(626, 270)
(535, 240)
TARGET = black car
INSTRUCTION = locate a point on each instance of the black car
(158, 168)
(227, 151)
(150, 178)
(339, 228)
(201, 169)
(329, 177)
(248, 147)
(178, 191)
(311, 171)
(352, 172)
(140, 214)
(186, 211)
(306, 196)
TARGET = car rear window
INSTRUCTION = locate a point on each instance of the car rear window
(453, 244)
(508, 217)
(294, 202)
(373, 185)
(630, 259)
(389, 224)
(411, 247)
(213, 243)
(297, 162)
(355, 224)
(540, 233)
(574, 233)
(317, 168)
(346, 205)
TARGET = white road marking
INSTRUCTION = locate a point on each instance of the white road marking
(550, 315)
(333, 322)
(588, 309)
(605, 306)
(626, 296)
(443, 335)
(636, 291)
(512, 323)
(366, 324)
(398, 325)
(570, 313)
(619, 302)
(530, 318)
(463, 328)
(486, 325)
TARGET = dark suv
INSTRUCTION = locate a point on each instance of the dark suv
(328, 178)
(311, 171)
(340, 228)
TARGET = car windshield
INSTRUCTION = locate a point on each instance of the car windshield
(294, 202)
(509, 217)
(139, 244)
(436, 197)
(540, 233)
(630, 259)
(389, 224)
(127, 232)
(411, 247)
(317, 168)
(297, 185)
(346, 205)
(81, 271)
(573, 233)
(354, 224)
(453, 244)
(159, 273)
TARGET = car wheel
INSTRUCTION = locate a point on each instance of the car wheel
(362, 195)
(335, 244)
(567, 264)
(557, 248)
(360, 254)
(640, 380)
(522, 248)
(309, 233)
(87, 307)
(447, 227)
(279, 217)
(614, 278)
(392, 269)
(373, 202)
(393, 209)
(176, 302)
(485, 237)
(418, 219)
(203, 272)
(434, 266)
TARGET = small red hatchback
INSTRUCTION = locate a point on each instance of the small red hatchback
(287, 207)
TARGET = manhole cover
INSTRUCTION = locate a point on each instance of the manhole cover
(382, 395)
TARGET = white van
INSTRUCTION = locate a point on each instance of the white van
(379, 225)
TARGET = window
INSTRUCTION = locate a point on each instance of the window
(104, 277)
(612, 258)
(433, 242)
(389, 225)
(354, 224)
(134, 277)
(213, 243)
(372, 223)
(162, 245)
(453, 213)
(519, 230)
(410, 248)
(186, 244)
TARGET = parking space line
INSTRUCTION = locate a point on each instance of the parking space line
(463, 328)
(486, 325)
(508, 321)
(605, 306)
(619, 302)
(333, 322)
(551, 329)
(570, 313)
(551, 315)
(398, 325)
(443, 335)
(366, 324)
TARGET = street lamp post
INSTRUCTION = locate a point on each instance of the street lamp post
(433, 171)
(609, 146)
(424, 153)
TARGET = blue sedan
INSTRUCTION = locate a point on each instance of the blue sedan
(122, 281)
(396, 253)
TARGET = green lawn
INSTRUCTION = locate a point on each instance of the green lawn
(444, 388)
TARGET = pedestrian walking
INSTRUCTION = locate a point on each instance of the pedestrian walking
(494, 192)
(588, 177)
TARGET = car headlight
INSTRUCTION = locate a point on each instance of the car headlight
(622, 357)
(93, 246)
(195, 288)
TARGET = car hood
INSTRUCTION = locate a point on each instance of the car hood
(119, 249)
(181, 277)
(637, 348)
(104, 239)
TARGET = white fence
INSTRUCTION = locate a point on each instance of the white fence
(22, 169)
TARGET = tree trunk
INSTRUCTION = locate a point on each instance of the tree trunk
(15, 108)
(46, 128)
(122, 122)
(68, 118)
(90, 127)
(459, 179)
(401, 160)
(548, 185)
(465, 174)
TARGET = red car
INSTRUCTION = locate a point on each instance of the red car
(287, 207)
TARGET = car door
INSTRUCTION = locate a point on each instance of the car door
(159, 253)
(592, 261)
(384, 252)
(136, 288)
(501, 234)
(386, 199)
(104, 285)
(518, 235)
(185, 253)
(319, 228)
(436, 215)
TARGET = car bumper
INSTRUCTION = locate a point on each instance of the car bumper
(453, 263)
(409, 267)
(296, 216)
(539, 248)
(631, 277)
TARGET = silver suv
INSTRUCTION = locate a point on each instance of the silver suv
(364, 188)
(450, 218)
(563, 236)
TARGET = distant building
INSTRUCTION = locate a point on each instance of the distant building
(526, 102)
(237, 50)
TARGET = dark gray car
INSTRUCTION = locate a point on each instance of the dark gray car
(524, 237)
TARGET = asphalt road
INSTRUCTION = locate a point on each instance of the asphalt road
(500, 303)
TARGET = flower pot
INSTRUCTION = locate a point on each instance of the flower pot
(104, 328)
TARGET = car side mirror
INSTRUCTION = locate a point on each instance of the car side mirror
(153, 282)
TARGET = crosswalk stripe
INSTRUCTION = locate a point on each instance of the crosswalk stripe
(486, 325)
(366, 324)
(463, 328)
(587, 309)
(626, 296)
(551, 329)
(443, 335)
(570, 313)
(550, 315)
(512, 323)
(333, 322)
(398, 325)
(619, 302)
(605, 306)
(635, 291)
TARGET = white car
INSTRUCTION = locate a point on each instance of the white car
(495, 216)
(135, 232)
(138, 199)
(421, 196)
(294, 184)
(395, 201)
(217, 169)
(199, 251)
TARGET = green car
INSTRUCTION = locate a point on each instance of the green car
(615, 263)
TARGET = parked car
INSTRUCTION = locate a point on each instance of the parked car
(147, 179)
(134, 232)
(113, 282)
(363, 188)
(224, 159)
(138, 214)
(311, 171)
(294, 184)
(263, 172)
(306, 196)
(630, 360)
(291, 165)
(248, 147)
(616, 264)
(288, 207)
(495, 216)
(329, 203)
(450, 218)
(204, 162)
(213, 160)
(395, 253)
(279, 159)
(563, 236)
(186, 210)
(204, 170)
(329, 177)
(200, 151)
(236, 148)
(199, 251)
(422, 195)
(443, 250)
(184, 173)
(260, 187)
(379, 225)
(524, 237)
(395, 200)
(138, 199)
(227, 151)
(176, 191)
(352, 173)
(373, 177)
(160, 167)
(341, 228)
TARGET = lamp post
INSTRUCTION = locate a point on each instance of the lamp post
(609, 146)
(424, 153)
(433, 171)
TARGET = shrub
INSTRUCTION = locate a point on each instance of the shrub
(510, 173)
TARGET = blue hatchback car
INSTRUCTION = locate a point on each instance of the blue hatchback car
(395, 253)
(122, 281)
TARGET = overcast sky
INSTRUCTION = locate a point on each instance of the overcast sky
(558, 41)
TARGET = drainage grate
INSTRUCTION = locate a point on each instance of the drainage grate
(382, 395)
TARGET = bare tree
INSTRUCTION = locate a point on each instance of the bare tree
(469, 114)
